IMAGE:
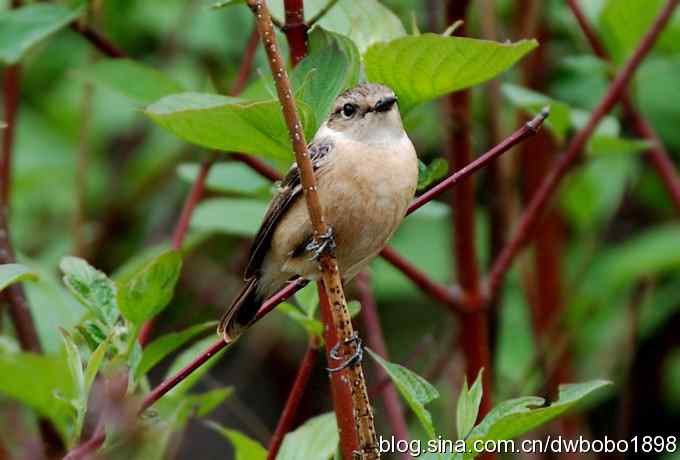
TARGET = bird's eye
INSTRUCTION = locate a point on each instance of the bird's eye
(348, 110)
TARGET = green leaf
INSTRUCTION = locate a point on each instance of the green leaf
(225, 3)
(35, 381)
(445, 64)
(232, 177)
(203, 404)
(364, 21)
(354, 308)
(308, 298)
(624, 23)
(23, 28)
(230, 124)
(516, 417)
(185, 358)
(233, 216)
(311, 325)
(166, 344)
(413, 388)
(91, 287)
(532, 102)
(75, 368)
(468, 406)
(331, 66)
(146, 292)
(428, 174)
(15, 273)
(138, 82)
(317, 439)
(245, 448)
(612, 145)
(94, 364)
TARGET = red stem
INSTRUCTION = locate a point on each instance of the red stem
(246, 64)
(295, 29)
(438, 292)
(657, 154)
(98, 41)
(195, 195)
(375, 339)
(259, 166)
(341, 391)
(540, 200)
(289, 414)
(474, 335)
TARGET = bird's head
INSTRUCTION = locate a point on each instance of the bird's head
(366, 113)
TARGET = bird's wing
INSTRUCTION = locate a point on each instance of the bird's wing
(290, 190)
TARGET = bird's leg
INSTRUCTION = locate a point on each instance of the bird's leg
(322, 244)
(353, 360)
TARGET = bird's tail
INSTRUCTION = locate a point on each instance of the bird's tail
(241, 313)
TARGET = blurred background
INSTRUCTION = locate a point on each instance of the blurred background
(596, 297)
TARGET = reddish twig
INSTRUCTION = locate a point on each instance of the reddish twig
(195, 195)
(375, 339)
(657, 154)
(246, 64)
(439, 292)
(564, 163)
(98, 41)
(527, 130)
(288, 416)
(259, 166)
(295, 29)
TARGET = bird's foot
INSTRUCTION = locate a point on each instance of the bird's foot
(353, 360)
(322, 244)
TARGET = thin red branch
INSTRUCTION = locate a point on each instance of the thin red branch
(259, 166)
(195, 195)
(98, 41)
(295, 29)
(375, 339)
(439, 292)
(289, 414)
(657, 154)
(564, 163)
(527, 130)
(246, 63)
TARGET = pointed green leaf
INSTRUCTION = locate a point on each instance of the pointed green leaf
(35, 381)
(229, 124)
(145, 293)
(308, 298)
(444, 64)
(364, 21)
(331, 66)
(166, 344)
(354, 308)
(311, 325)
(75, 367)
(516, 417)
(203, 404)
(245, 448)
(413, 388)
(317, 439)
(232, 177)
(94, 364)
(15, 273)
(23, 28)
(468, 406)
(233, 216)
(91, 287)
(429, 174)
(138, 82)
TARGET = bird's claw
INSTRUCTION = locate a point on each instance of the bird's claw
(353, 360)
(322, 244)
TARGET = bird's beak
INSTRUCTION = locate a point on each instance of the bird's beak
(383, 105)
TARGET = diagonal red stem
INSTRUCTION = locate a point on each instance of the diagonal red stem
(540, 199)
(657, 154)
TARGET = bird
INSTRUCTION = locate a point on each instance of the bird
(366, 170)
